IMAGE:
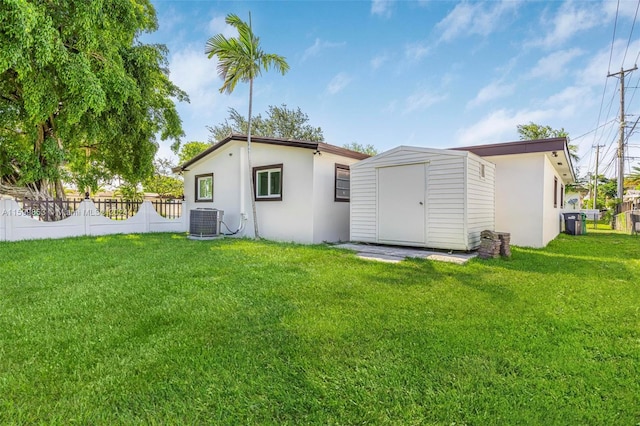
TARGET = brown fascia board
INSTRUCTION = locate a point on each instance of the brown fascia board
(524, 147)
(332, 149)
(518, 147)
(316, 146)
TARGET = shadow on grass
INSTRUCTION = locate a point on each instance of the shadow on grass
(608, 256)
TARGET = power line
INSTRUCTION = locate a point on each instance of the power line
(594, 130)
(630, 33)
(622, 73)
(613, 39)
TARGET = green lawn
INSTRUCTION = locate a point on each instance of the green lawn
(158, 329)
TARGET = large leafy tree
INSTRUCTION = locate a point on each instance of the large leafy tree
(163, 181)
(79, 90)
(241, 59)
(358, 147)
(190, 150)
(280, 122)
(533, 131)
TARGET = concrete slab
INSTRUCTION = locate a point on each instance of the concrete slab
(395, 254)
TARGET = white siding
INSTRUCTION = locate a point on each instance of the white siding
(480, 199)
(447, 194)
(363, 205)
(445, 202)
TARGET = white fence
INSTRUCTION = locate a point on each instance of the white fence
(15, 225)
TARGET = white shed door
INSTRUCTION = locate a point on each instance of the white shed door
(401, 203)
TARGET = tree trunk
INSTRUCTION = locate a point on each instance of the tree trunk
(251, 183)
(48, 188)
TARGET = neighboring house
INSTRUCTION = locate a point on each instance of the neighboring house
(422, 197)
(530, 181)
(301, 188)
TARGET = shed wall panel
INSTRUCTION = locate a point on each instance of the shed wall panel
(448, 194)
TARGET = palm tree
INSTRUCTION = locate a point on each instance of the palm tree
(241, 59)
(633, 179)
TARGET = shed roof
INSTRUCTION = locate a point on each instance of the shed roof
(413, 149)
(315, 146)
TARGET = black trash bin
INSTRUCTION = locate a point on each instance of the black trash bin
(572, 223)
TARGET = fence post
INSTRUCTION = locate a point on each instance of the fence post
(10, 209)
(184, 217)
(4, 213)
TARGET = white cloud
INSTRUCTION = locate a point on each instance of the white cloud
(625, 9)
(379, 60)
(596, 70)
(218, 25)
(570, 19)
(494, 90)
(338, 83)
(194, 73)
(501, 124)
(481, 18)
(318, 46)
(381, 7)
(416, 51)
(422, 99)
(498, 125)
(553, 66)
(571, 100)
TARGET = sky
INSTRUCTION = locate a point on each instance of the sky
(436, 74)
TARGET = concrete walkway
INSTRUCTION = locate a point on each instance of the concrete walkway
(395, 254)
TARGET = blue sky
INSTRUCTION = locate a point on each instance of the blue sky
(437, 74)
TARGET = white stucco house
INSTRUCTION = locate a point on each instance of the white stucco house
(530, 183)
(301, 188)
(415, 196)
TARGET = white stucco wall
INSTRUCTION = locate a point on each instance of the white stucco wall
(331, 218)
(307, 212)
(227, 191)
(524, 198)
(292, 218)
(551, 215)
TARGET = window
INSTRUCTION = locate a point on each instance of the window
(482, 170)
(555, 192)
(343, 183)
(267, 183)
(562, 196)
(204, 187)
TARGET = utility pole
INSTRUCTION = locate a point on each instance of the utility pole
(622, 126)
(595, 180)
(595, 188)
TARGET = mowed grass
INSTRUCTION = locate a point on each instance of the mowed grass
(158, 329)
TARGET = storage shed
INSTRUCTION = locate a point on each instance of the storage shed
(422, 197)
